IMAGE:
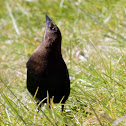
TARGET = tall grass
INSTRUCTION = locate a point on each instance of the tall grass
(93, 47)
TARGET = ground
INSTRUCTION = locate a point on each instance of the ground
(93, 47)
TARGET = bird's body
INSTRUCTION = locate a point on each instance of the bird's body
(46, 69)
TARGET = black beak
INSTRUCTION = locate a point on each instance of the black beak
(48, 21)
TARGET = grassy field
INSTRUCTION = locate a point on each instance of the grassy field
(93, 47)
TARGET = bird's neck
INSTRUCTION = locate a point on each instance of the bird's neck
(47, 51)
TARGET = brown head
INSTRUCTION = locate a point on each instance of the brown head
(52, 36)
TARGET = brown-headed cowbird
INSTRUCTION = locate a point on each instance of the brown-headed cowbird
(46, 69)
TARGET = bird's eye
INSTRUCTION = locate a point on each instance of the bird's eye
(53, 28)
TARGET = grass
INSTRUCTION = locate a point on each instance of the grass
(93, 47)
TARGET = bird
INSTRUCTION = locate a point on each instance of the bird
(46, 68)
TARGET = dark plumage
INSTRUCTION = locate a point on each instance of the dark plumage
(46, 68)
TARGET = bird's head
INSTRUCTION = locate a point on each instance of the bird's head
(52, 36)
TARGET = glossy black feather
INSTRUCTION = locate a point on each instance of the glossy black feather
(46, 68)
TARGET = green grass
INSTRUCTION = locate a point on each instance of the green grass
(93, 47)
